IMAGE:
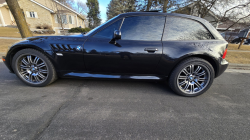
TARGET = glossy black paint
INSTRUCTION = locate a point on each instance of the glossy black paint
(123, 59)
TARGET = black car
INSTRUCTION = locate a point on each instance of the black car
(185, 50)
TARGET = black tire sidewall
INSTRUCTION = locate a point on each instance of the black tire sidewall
(40, 55)
(196, 61)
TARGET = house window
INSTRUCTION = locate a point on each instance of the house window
(32, 14)
(64, 19)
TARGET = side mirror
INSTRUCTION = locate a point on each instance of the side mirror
(117, 35)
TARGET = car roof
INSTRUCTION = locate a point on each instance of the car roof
(163, 14)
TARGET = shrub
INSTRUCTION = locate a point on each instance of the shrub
(39, 27)
(79, 30)
(44, 26)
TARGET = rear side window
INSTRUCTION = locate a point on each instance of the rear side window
(143, 28)
(185, 29)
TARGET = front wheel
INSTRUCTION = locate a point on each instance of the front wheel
(192, 77)
(33, 68)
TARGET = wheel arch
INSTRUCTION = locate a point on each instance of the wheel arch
(208, 58)
(17, 48)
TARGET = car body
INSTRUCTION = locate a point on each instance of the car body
(143, 46)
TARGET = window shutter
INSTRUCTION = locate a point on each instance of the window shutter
(36, 16)
(56, 20)
(73, 19)
(66, 20)
(27, 14)
(70, 19)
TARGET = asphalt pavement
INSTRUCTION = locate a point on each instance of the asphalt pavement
(118, 109)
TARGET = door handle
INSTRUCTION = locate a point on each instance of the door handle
(150, 49)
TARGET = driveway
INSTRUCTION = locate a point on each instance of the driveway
(115, 109)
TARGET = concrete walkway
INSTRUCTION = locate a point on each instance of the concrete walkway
(14, 38)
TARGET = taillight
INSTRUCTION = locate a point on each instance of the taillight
(224, 54)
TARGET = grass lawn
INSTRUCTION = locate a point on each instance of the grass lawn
(238, 57)
(235, 47)
(5, 43)
(13, 32)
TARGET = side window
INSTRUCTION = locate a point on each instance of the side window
(185, 29)
(143, 28)
(109, 31)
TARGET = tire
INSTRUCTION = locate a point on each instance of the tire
(33, 68)
(192, 77)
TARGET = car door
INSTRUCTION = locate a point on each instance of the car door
(137, 52)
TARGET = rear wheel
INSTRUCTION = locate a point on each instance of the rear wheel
(192, 77)
(33, 68)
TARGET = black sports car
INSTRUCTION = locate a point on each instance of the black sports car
(185, 50)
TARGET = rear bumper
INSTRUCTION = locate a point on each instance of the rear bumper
(222, 67)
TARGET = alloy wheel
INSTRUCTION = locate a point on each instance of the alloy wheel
(193, 79)
(32, 69)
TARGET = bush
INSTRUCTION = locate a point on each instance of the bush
(79, 30)
(44, 26)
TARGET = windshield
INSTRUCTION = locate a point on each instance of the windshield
(96, 28)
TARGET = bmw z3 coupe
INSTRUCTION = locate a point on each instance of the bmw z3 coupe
(185, 50)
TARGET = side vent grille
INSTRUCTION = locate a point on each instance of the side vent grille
(61, 47)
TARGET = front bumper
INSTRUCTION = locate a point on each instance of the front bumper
(6, 62)
(222, 67)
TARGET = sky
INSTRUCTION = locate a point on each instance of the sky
(103, 4)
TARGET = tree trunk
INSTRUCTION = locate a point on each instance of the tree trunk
(19, 18)
(149, 5)
(165, 6)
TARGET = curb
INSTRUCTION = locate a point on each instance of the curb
(239, 66)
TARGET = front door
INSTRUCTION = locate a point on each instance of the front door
(137, 52)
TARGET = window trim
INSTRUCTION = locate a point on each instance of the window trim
(194, 21)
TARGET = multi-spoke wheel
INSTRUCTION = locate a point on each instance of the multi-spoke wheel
(33, 67)
(192, 77)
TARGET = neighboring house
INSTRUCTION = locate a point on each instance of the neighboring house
(6, 18)
(191, 9)
(43, 12)
(235, 28)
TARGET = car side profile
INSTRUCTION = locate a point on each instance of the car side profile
(186, 51)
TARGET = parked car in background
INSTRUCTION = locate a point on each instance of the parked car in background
(185, 50)
(236, 41)
(229, 36)
(247, 42)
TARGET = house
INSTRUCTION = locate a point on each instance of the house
(237, 27)
(43, 13)
(192, 9)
